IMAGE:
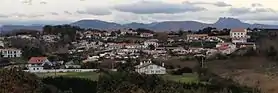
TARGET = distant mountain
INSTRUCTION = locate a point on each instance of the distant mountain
(18, 27)
(157, 26)
(96, 24)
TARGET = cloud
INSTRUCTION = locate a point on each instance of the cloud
(256, 5)
(244, 10)
(54, 13)
(154, 7)
(43, 2)
(67, 12)
(20, 15)
(29, 2)
(219, 4)
(95, 11)
(239, 11)
(3, 16)
(264, 10)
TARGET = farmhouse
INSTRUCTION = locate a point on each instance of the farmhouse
(150, 68)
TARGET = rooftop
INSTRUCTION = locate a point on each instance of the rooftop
(238, 30)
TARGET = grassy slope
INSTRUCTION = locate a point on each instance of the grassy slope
(186, 78)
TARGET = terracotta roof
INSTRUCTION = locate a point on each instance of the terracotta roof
(238, 30)
(36, 60)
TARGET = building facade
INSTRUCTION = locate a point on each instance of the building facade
(10, 53)
(239, 35)
(150, 68)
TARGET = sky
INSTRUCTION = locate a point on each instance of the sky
(143, 11)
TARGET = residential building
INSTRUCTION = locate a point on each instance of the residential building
(150, 68)
(71, 65)
(150, 42)
(238, 35)
(146, 35)
(226, 48)
(38, 61)
(2, 44)
(10, 52)
(196, 36)
(180, 51)
(50, 38)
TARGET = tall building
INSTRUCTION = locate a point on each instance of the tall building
(239, 35)
(10, 53)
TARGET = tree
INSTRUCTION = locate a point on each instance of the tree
(14, 81)
(151, 47)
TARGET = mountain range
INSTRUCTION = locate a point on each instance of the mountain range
(157, 26)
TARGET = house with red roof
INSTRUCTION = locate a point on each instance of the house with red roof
(239, 35)
(39, 61)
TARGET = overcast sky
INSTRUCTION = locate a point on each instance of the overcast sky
(126, 11)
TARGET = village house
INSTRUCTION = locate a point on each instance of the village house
(179, 51)
(146, 35)
(226, 48)
(50, 38)
(196, 36)
(111, 46)
(2, 44)
(150, 68)
(10, 52)
(238, 35)
(38, 61)
(153, 42)
(71, 65)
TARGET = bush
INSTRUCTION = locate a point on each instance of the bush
(182, 70)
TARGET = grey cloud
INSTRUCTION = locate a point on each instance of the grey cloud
(3, 16)
(54, 13)
(95, 11)
(67, 12)
(29, 2)
(264, 10)
(43, 2)
(239, 11)
(256, 5)
(154, 7)
(244, 10)
(219, 4)
(27, 15)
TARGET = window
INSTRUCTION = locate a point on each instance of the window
(151, 67)
(37, 68)
(34, 68)
(241, 33)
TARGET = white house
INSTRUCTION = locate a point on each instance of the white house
(2, 44)
(38, 61)
(238, 35)
(226, 48)
(146, 35)
(180, 51)
(150, 68)
(148, 43)
(10, 52)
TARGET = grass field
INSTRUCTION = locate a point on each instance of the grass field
(88, 75)
(185, 78)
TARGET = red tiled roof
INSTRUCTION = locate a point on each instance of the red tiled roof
(238, 30)
(36, 60)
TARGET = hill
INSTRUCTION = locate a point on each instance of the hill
(157, 26)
